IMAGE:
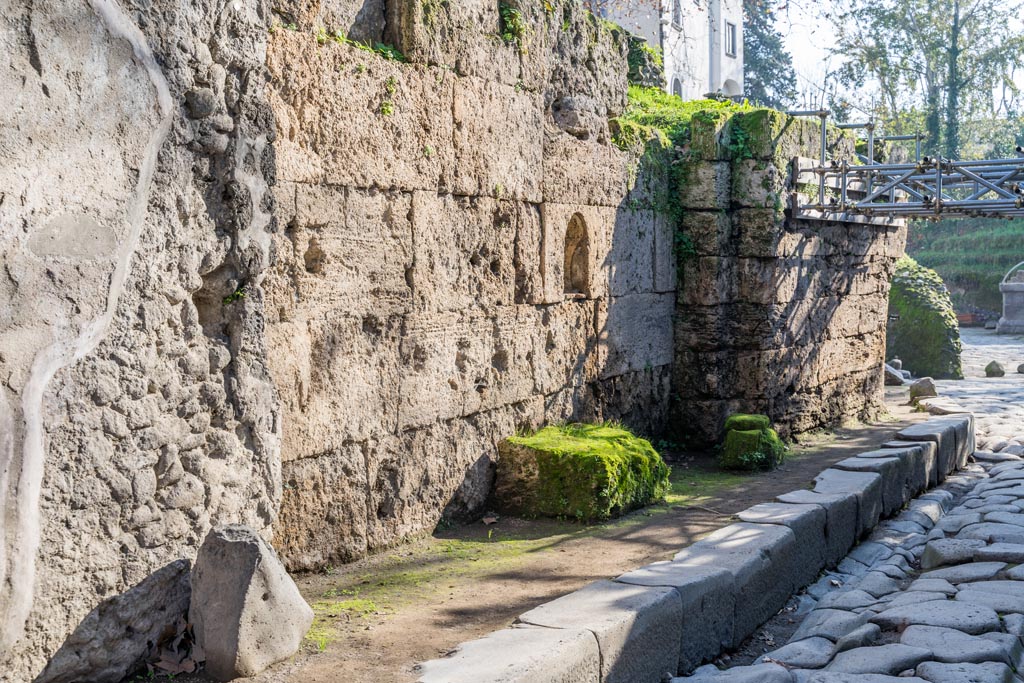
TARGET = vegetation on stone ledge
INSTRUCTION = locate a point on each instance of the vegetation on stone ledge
(750, 444)
(586, 471)
(926, 335)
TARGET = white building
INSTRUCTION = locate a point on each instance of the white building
(702, 41)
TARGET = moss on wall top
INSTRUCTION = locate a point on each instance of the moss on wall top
(926, 335)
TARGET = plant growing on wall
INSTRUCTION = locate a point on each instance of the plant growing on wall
(513, 25)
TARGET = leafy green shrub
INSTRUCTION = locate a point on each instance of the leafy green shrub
(926, 334)
(750, 444)
(586, 471)
(513, 25)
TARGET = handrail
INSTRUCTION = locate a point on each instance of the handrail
(1006, 278)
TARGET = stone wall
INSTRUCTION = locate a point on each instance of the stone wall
(775, 315)
(418, 311)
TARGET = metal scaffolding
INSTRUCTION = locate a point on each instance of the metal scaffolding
(928, 187)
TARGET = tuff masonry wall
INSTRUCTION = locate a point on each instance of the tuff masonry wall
(420, 309)
(775, 315)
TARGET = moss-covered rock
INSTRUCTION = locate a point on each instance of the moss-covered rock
(750, 444)
(926, 334)
(590, 472)
(994, 369)
(745, 422)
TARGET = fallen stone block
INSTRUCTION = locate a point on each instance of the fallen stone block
(761, 559)
(707, 596)
(808, 525)
(841, 521)
(867, 486)
(246, 611)
(638, 628)
(521, 654)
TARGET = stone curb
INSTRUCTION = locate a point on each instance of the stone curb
(716, 592)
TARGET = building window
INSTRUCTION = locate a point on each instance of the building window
(677, 88)
(576, 267)
(677, 12)
(730, 39)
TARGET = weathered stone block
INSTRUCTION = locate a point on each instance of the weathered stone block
(598, 223)
(943, 435)
(841, 519)
(465, 250)
(867, 486)
(665, 261)
(638, 628)
(708, 603)
(630, 256)
(583, 172)
(246, 610)
(708, 280)
(323, 509)
(894, 473)
(760, 558)
(497, 150)
(762, 234)
(808, 523)
(759, 184)
(710, 232)
(634, 333)
(521, 654)
(705, 185)
(334, 127)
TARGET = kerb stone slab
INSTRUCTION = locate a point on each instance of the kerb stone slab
(840, 519)
(867, 486)
(638, 628)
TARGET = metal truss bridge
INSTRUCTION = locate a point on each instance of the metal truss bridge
(927, 188)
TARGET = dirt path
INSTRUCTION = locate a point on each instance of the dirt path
(378, 617)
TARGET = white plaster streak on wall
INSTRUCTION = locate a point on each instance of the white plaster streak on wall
(23, 545)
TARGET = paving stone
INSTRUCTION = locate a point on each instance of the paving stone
(866, 486)
(989, 672)
(1016, 573)
(1000, 602)
(894, 474)
(949, 551)
(869, 553)
(841, 519)
(521, 654)
(1015, 588)
(1014, 518)
(829, 623)
(837, 677)
(986, 510)
(859, 637)
(950, 645)
(760, 558)
(637, 627)
(879, 659)
(878, 584)
(908, 598)
(951, 524)
(807, 522)
(852, 567)
(962, 573)
(966, 617)
(758, 673)
(848, 600)
(1011, 645)
(1000, 552)
(891, 570)
(905, 526)
(993, 532)
(708, 602)
(810, 653)
(933, 585)
(988, 456)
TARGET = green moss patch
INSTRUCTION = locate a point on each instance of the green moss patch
(751, 444)
(589, 472)
(926, 334)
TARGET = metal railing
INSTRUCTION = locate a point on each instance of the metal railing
(928, 187)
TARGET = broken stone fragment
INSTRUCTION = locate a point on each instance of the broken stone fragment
(247, 612)
(923, 388)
